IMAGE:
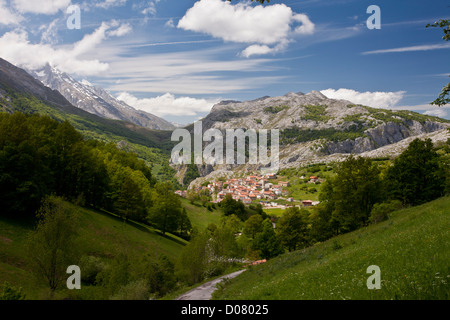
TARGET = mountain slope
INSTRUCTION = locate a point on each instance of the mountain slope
(96, 100)
(312, 125)
(17, 88)
(100, 235)
(19, 80)
(411, 250)
(20, 92)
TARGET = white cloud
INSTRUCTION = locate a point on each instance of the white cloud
(243, 23)
(427, 47)
(428, 109)
(121, 31)
(41, 6)
(168, 104)
(50, 33)
(16, 48)
(170, 23)
(441, 113)
(257, 49)
(183, 72)
(106, 4)
(7, 17)
(147, 8)
(371, 99)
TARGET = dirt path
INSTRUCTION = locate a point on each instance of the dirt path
(204, 292)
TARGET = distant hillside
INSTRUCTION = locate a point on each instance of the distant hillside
(411, 249)
(314, 128)
(340, 125)
(96, 100)
(19, 91)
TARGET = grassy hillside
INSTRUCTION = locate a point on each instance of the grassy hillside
(153, 146)
(201, 217)
(412, 249)
(99, 234)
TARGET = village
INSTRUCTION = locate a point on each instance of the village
(263, 189)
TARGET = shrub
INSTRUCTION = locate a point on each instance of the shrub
(274, 110)
(380, 211)
(136, 290)
(336, 245)
(91, 266)
(8, 292)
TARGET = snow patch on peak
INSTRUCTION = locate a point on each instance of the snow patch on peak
(86, 83)
(41, 73)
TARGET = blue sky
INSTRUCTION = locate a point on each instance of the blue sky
(177, 58)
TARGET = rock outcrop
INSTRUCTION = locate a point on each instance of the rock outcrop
(314, 128)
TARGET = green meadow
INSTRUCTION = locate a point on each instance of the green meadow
(411, 248)
(101, 235)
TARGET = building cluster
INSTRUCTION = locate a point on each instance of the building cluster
(254, 187)
(264, 188)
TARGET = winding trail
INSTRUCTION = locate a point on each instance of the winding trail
(205, 291)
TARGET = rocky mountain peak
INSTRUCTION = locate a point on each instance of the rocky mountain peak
(313, 126)
(95, 99)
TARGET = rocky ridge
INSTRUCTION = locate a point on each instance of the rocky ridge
(316, 129)
(96, 100)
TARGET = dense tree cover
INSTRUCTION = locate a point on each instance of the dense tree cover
(211, 251)
(351, 194)
(266, 242)
(166, 212)
(364, 191)
(40, 156)
(194, 259)
(230, 206)
(191, 173)
(292, 228)
(416, 176)
(253, 226)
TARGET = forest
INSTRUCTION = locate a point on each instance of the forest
(46, 164)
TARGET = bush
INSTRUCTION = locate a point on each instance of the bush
(336, 245)
(137, 290)
(380, 211)
(91, 266)
(8, 292)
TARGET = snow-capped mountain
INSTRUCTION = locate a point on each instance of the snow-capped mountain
(96, 100)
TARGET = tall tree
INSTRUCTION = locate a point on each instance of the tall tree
(253, 226)
(166, 210)
(185, 225)
(52, 247)
(223, 238)
(193, 261)
(292, 228)
(266, 242)
(230, 206)
(416, 176)
(130, 202)
(351, 194)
